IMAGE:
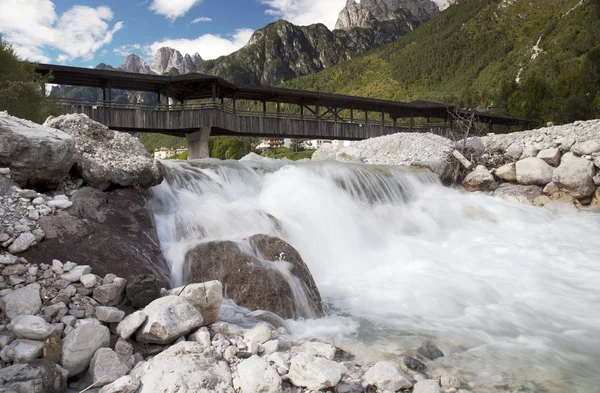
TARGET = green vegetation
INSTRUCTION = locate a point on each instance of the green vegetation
(290, 154)
(473, 53)
(230, 147)
(22, 90)
(153, 141)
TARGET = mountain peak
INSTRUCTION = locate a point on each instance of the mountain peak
(366, 12)
(168, 58)
(134, 63)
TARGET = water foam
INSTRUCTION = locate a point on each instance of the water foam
(502, 287)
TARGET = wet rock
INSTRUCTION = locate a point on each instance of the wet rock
(314, 348)
(255, 375)
(39, 376)
(258, 334)
(533, 171)
(130, 324)
(575, 176)
(479, 179)
(186, 367)
(142, 289)
(169, 318)
(80, 345)
(450, 381)
(314, 373)
(31, 327)
(106, 367)
(23, 301)
(249, 282)
(386, 376)
(517, 191)
(414, 364)
(430, 351)
(108, 158)
(112, 232)
(206, 297)
(36, 155)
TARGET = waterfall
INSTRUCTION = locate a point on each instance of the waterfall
(503, 288)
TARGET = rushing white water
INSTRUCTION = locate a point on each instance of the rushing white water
(509, 292)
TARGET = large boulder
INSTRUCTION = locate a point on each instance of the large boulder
(315, 373)
(106, 158)
(36, 155)
(113, 232)
(23, 301)
(106, 367)
(39, 376)
(507, 172)
(588, 147)
(518, 192)
(575, 176)
(252, 283)
(479, 179)
(186, 367)
(80, 345)
(533, 171)
(206, 297)
(386, 375)
(255, 375)
(169, 318)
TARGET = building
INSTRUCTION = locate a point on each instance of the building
(165, 153)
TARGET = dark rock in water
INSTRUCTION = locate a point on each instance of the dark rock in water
(142, 289)
(415, 364)
(39, 376)
(252, 283)
(112, 232)
(243, 354)
(430, 351)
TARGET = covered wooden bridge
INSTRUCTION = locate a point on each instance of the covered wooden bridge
(197, 106)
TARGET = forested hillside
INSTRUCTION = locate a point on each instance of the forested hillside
(530, 58)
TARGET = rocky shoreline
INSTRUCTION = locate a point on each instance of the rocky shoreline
(79, 313)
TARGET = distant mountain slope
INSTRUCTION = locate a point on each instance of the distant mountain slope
(282, 51)
(535, 58)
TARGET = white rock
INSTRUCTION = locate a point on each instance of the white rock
(130, 324)
(259, 334)
(22, 351)
(110, 294)
(80, 345)
(566, 143)
(106, 367)
(596, 180)
(515, 151)
(270, 347)
(206, 297)
(68, 266)
(575, 176)
(8, 259)
(23, 301)
(386, 375)
(22, 243)
(533, 171)
(479, 179)
(450, 381)
(230, 352)
(315, 348)
(186, 367)
(31, 327)
(586, 148)
(315, 373)
(427, 386)
(38, 201)
(279, 360)
(75, 273)
(550, 156)
(169, 318)
(507, 172)
(126, 384)
(255, 375)
(88, 280)
(201, 336)
(109, 314)
(550, 189)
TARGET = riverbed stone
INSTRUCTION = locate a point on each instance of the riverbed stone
(386, 375)
(16, 269)
(430, 350)
(23, 301)
(22, 350)
(206, 297)
(75, 273)
(110, 294)
(427, 386)
(38, 376)
(22, 243)
(507, 172)
(479, 179)
(259, 334)
(106, 367)
(255, 375)
(80, 345)
(130, 324)
(586, 148)
(515, 151)
(575, 177)
(516, 191)
(109, 314)
(533, 171)
(315, 373)
(550, 156)
(169, 318)
(125, 384)
(142, 289)
(31, 327)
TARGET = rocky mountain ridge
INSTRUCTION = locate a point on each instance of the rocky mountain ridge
(367, 11)
(166, 60)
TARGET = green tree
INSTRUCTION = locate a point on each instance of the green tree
(533, 99)
(21, 88)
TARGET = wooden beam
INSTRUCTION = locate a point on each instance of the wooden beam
(351, 115)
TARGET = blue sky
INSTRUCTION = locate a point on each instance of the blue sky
(87, 32)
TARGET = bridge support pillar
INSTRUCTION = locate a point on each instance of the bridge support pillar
(198, 144)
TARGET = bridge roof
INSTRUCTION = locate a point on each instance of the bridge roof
(200, 86)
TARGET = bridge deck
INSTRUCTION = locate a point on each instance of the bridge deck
(224, 120)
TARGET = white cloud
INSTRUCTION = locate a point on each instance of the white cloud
(173, 9)
(125, 50)
(202, 19)
(209, 46)
(33, 25)
(306, 12)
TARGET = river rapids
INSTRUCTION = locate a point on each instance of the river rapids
(509, 292)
